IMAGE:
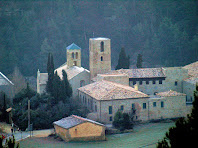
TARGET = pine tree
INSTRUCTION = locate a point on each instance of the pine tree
(139, 61)
(123, 61)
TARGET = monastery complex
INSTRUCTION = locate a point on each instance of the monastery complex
(146, 93)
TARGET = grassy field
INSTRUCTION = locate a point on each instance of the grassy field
(145, 135)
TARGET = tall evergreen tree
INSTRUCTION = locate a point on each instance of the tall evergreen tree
(56, 87)
(123, 61)
(139, 61)
(185, 131)
(66, 87)
(50, 70)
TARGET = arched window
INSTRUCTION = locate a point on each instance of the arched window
(101, 58)
(102, 46)
(82, 83)
(75, 63)
(72, 55)
(76, 55)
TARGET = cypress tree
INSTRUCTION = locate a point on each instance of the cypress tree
(123, 61)
(66, 87)
(56, 87)
(139, 61)
(50, 70)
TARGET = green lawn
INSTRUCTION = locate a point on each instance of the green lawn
(146, 135)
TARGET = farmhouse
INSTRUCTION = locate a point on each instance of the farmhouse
(75, 128)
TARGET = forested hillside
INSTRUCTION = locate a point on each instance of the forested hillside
(164, 32)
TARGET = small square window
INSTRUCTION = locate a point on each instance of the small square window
(154, 104)
(144, 105)
(134, 82)
(147, 82)
(122, 107)
(140, 82)
(153, 81)
(110, 118)
(160, 81)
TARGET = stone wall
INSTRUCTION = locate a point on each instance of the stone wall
(62, 132)
(75, 81)
(173, 107)
(189, 88)
(87, 131)
(120, 78)
(173, 81)
(83, 132)
(76, 58)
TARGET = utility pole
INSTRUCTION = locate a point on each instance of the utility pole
(28, 114)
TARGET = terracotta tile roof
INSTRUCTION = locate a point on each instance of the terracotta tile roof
(72, 121)
(71, 72)
(106, 90)
(192, 69)
(192, 80)
(170, 93)
(141, 72)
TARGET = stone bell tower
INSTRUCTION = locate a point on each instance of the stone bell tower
(73, 55)
(99, 56)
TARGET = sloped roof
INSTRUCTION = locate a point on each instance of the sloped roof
(73, 46)
(73, 120)
(192, 80)
(106, 90)
(192, 69)
(141, 72)
(4, 80)
(100, 38)
(71, 72)
(170, 93)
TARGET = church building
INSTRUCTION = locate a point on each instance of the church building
(146, 93)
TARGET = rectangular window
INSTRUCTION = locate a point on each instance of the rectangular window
(95, 108)
(153, 81)
(134, 82)
(147, 82)
(140, 82)
(110, 118)
(162, 104)
(110, 109)
(154, 104)
(144, 105)
(122, 107)
(133, 106)
(175, 83)
(160, 81)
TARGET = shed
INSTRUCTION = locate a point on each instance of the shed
(75, 128)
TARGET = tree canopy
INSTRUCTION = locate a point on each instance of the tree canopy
(185, 131)
(123, 61)
(166, 32)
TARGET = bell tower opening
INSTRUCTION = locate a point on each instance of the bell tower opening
(73, 55)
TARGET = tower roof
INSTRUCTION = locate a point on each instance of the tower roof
(73, 46)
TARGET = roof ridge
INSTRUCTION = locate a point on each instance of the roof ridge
(6, 78)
